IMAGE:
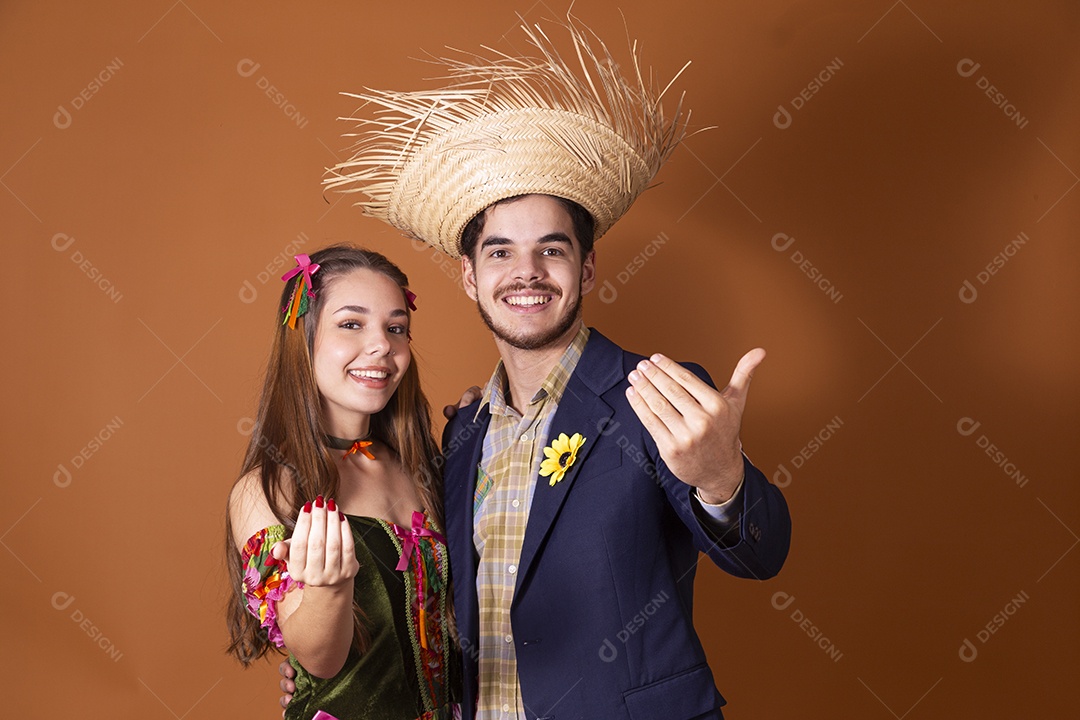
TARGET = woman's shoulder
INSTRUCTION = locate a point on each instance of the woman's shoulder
(249, 508)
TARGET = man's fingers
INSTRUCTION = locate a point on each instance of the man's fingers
(649, 419)
(467, 398)
(685, 384)
(744, 371)
(471, 395)
(675, 383)
(658, 402)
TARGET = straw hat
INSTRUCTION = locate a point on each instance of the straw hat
(427, 162)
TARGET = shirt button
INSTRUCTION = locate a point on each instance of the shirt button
(509, 639)
(515, 502)
(506, 708)
(525, 437)
(512, 569)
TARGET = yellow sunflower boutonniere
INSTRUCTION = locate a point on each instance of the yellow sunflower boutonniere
(560, 456)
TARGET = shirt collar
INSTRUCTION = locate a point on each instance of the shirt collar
(553, 386)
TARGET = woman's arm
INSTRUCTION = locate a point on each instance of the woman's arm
(316, 621)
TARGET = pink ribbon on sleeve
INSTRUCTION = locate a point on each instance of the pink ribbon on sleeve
(410, 537)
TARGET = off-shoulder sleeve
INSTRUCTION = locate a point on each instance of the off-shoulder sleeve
(266, 579)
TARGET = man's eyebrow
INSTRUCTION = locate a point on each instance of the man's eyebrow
(555, 237)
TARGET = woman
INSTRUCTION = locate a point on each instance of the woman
(342, 461)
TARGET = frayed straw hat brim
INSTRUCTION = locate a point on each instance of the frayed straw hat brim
(428, 162)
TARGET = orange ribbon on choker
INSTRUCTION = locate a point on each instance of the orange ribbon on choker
(360, 446)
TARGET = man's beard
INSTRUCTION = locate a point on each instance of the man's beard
(544, 338)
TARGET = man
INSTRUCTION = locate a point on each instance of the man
(583, 484)
(584, 586)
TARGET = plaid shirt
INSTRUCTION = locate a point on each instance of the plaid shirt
(506, 480)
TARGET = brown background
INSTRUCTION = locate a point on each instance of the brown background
(145, 228)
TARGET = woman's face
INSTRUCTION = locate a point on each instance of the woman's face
(361, 349)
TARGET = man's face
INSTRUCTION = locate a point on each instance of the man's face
(528, 278)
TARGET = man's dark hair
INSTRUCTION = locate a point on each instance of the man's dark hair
(580, 218)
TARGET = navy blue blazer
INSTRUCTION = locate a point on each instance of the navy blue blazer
(602, 614)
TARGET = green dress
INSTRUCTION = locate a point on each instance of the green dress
(410, 668)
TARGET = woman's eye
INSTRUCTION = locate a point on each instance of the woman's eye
(349, 325)
(399, 330)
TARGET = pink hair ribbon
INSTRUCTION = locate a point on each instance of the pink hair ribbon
(298, 304)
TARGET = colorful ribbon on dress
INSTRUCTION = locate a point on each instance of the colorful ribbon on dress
(410, 544)
(410, 538)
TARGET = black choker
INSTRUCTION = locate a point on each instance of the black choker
(350, 446)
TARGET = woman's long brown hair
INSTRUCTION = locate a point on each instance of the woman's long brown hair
(288, 448)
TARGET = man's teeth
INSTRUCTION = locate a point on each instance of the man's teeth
(527, 300)
(372, 374)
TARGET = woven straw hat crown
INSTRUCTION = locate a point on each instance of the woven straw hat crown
(427, 162)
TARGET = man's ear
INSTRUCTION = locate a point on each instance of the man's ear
(588, 272)
(468, 277)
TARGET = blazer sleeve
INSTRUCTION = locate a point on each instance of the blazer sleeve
(765, 524)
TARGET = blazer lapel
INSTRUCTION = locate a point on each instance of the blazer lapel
(581, 410)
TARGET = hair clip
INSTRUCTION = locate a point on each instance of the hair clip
(410, 298)
(298, 305)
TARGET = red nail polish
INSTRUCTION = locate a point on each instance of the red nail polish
(330, 506)
(318, 501)
(307, 507)
(341, 515)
